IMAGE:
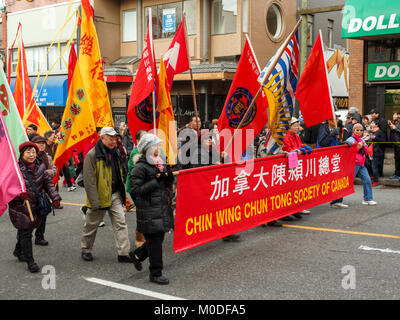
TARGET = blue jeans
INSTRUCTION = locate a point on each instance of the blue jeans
(362, 173)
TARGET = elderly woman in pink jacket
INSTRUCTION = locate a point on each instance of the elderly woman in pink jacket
(361, 171)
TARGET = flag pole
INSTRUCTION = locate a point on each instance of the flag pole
(191, 74)
(280, 53)
(153, 57)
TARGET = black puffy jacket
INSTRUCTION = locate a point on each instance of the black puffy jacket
(17, 209)
(153, 212)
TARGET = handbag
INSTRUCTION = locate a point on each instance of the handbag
(43, 204)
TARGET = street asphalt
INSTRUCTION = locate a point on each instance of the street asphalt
(343, 254)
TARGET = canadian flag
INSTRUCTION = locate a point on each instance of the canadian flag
(176, 59)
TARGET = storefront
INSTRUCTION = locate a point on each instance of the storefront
(377, 24)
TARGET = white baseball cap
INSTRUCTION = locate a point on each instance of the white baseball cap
(108, 131)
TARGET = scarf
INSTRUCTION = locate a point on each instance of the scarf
(158, 162)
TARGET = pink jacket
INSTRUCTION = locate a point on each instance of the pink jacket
(361, 155)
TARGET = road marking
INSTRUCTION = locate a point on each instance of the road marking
(343, 231)
(124, 287)
(73, 204)
(387, 250)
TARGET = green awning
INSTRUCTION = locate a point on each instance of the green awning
(362, 18)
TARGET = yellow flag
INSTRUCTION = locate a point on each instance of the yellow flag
(166, 122)
(92, 69)
(77, 125)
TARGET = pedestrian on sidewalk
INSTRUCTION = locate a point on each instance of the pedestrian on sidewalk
(105, 192)
(360, 170)
(150, 179)
(36, 180)
(395, 137)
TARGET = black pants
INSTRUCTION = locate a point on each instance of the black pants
(67, 175)
(397, 159)
(39, 234)
(24, 245)
(377, 166)
(152, 249)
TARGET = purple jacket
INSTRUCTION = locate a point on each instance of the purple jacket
(17, 209)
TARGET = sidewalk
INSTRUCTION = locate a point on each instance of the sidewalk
(388, 171)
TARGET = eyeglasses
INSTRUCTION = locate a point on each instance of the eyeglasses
(358, 130)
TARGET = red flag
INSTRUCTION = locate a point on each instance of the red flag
(176, 59)
(243, 89)
(140, 109)
(11, 180)
(313, 90)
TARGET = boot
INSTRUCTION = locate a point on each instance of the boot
(17, 252)
(26, 250)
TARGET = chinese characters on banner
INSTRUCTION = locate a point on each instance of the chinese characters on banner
(217, 201)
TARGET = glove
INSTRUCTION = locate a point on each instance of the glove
(160, 176)
(56, 203)
(303, 150)
(309, 149)
(25, 196)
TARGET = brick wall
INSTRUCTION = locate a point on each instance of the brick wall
(356, 77)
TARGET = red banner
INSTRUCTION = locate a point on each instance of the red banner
(217, 201)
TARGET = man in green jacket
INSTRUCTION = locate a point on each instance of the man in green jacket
(105, 191)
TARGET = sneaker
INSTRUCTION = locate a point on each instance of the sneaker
(297, 215)
(102, 224)
(369, 203)
(274, 224)
(83, 211)
(287, 218)
(87, 256)
(305, 212)
(374, 184)
(394, 177)
(73, 188)
(159, 280)
(339, 205)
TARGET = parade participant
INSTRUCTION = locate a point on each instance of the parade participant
(105, 192)
(206, 154)
(188, 134)
(360, 170)
(291, 143)
(150, 181)
(31, 131)
(329, 136)
(51, 171)
(133, 159)
(36, 180)
(395, 137)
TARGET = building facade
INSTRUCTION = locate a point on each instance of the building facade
(374, 32)
(216, 30)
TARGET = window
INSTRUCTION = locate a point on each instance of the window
(129, 28)
(36, 56)
(383, 51)
(166, 18)
(224, 16)
(310, 30)
(330, 33)
(274, 21)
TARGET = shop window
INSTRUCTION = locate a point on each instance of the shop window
(274, 21)
(224, 16)
(129, 28)
(166, 18)
(37, 58)
(383, 51)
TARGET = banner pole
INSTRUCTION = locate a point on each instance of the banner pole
(283, 47)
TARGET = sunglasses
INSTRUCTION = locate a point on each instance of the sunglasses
(358, 130)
